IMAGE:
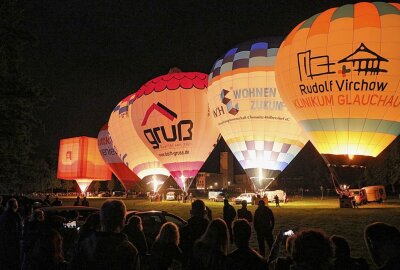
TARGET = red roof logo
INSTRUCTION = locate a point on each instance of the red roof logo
(161, 109)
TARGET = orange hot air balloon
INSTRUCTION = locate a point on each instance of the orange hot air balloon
(170, 114)
(132, 151)
(339, 74)
(127, 178)
(79, 159)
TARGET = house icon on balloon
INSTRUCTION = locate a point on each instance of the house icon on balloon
(365, 60)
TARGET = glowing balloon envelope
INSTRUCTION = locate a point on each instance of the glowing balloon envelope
(110, 156)
(247, 108)
(130, 148)
(79, 159)
(170, 114)
(338, 72)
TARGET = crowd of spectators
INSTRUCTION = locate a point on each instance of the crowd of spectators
(107, 241)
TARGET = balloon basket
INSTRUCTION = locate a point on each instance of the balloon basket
(345, 203)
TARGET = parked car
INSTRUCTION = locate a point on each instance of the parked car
(216, 196)
(248, 197)
(220, 197)
(170, 196)
(69, 213)
(119, 193)
(359, 196)
(153, 220)
(104, 194)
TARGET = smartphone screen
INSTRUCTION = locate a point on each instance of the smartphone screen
(70, 225)
(288, 233)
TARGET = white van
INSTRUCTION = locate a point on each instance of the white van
(170, 196)
(375, 193)
(271, 194)
(216, 196)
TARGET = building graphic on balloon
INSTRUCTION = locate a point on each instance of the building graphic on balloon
(363, 59)
(367, 62)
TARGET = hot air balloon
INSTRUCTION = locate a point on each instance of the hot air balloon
(127, 177)
(79, 159)
(132, 150)
(338, 72)
(171, 116)
(247, 108)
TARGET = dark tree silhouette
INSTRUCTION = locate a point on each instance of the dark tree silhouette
(20, 101)
(386, 169)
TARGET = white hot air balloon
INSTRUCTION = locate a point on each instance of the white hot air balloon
(248, 110)
(130, 148)
(126, 176)
(170, 114)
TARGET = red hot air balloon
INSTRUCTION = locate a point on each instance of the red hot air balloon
(128, 178)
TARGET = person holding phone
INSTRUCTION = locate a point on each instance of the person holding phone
(282, 263)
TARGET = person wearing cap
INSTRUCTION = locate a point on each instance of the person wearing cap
(264, 223)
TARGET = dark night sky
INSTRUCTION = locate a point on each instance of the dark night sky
(94, 53)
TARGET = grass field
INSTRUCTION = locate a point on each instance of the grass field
(309, 212)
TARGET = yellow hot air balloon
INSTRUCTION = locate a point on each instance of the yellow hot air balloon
(131, 149)
(339, 74)
(170, 114)
(247, 109)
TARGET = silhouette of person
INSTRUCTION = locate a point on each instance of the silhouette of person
(134, 231)
(85, 202)
(341, 256)
(78, 201)
(244, 257)
(383, 243)
(311, 250)
(244, 212)
(264, 223)
(10, 235)
(165, 253)
(276, 198)
(229, 216)
(210, 250)
(194, 229)
(108, 248)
